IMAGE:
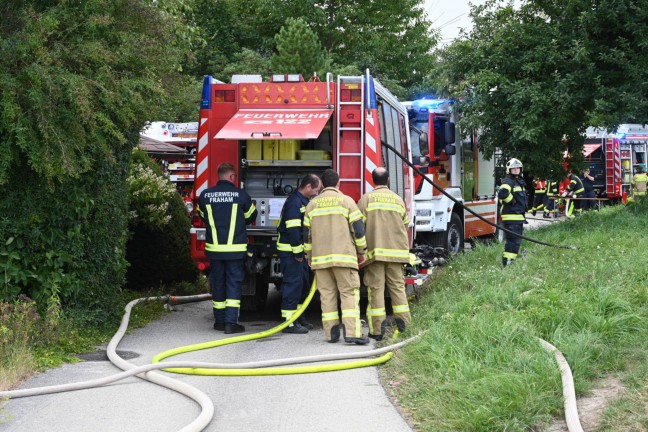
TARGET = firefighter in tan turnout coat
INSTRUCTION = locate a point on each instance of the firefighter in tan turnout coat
(386, 224)
(334, 242)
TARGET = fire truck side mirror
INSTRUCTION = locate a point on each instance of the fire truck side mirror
(449, 133)
(450, 150)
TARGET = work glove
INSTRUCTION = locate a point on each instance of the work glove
(564, 194)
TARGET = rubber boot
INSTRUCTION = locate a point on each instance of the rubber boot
(335, 334)
(400, 324)
(357, 341)
(506, 261)
(383, 330)
(545, 215)
(219, 326)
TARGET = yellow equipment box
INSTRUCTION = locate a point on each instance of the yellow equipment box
(254, 150)
(288, 149)
(313, 155)
(270, 150)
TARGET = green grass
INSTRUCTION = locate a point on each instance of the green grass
(479, 366)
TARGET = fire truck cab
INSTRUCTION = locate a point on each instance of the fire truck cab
(459, 168)
(275, 132)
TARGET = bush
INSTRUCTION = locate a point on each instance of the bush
(158, 248)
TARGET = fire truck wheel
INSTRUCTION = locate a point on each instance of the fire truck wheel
(451, 240)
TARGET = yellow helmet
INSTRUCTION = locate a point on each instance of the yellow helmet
(513, 163)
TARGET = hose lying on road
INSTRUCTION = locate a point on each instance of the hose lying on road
(251, 368)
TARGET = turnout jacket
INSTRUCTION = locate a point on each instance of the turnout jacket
(290, 239)
(639, 184)
(226, 210)
(552, 188)
(575, 186)
(386, 223)
(513, 197)
(540, 187)
(334, 233)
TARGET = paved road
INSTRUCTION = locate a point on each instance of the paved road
(337, 401)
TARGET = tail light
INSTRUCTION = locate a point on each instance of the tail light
(198, 222)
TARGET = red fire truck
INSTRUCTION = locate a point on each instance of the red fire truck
(459, 168)
(276, 132)
(613, 158)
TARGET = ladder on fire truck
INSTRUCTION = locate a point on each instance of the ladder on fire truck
(350, 151)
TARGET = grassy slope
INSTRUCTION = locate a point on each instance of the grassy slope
(479, 366)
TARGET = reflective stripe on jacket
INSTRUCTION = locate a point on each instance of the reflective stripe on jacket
(290, 239)
(575, 185)
(386, 223)
(540, 186)
(226, 210)
(513, 197)
(552, 188)
(334, 231)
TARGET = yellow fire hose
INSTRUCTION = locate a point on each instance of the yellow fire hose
(263, 371)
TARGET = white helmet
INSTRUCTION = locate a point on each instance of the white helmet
(513, 163)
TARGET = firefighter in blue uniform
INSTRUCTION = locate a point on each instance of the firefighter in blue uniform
(550, 205)
(290, 247)
(512, 195)
(574, 189)
(226, 210)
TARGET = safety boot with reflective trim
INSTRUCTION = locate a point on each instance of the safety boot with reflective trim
(233, 328)
(357, 341)
(335, 334)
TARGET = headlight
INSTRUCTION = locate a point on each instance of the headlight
(201, 235)
(189, 207)
(424, 213)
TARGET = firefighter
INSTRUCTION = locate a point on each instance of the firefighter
(334, 241)
(290, 247)
(639, 181)
(513, 197)
(226, 210)
(589, 192)
(574, 189)
(539, 196)
(550, 204)
(386, 222)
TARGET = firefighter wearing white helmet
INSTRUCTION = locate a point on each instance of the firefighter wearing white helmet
(512, 195)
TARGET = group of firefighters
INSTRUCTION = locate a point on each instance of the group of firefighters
(320, 231)
(579, 193)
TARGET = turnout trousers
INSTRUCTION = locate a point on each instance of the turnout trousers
(346, 282)
(295, 286)
(513, 242)
(226, 278)
(377, 275)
